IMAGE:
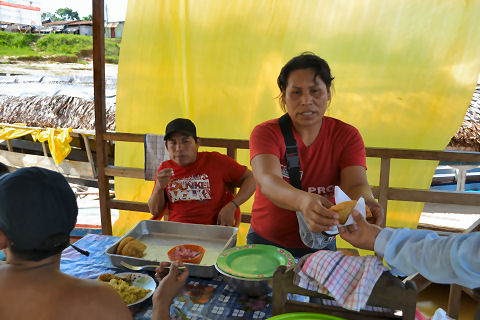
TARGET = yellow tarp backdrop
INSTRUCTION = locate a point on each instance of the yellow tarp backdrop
(404, 74)
(58, 139)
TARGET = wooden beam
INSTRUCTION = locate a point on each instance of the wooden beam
(114, 171)
(224, 143)
(451, 156)
(143, 207)
(69, 168)
(416, 195)
(128, 205)
(206, 142)
(100, 119)
(121, 136)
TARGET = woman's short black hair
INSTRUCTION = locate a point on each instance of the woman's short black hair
(306, 60)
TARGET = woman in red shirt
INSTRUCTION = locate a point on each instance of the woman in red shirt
(331, 153)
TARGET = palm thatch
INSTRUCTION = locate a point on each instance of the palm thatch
(53, 112)
(468, 136)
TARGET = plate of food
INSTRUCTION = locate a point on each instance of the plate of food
(133, 287)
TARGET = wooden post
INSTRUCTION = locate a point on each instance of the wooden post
(454, 301)
(232, 152)
(100, 120)
(44, 148)
(9, 145)
(384, 185)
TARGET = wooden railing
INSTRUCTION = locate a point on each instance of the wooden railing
(383, 192)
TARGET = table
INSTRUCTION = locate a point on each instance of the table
(201, 298)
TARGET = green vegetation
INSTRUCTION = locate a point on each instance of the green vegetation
(55, 47)
(17, 44)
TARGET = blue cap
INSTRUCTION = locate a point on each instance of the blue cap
(36, 204)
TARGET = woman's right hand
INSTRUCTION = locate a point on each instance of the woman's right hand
(317, 215)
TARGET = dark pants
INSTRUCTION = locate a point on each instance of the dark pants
(253, 238)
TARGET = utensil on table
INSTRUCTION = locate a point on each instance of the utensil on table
(147, 266)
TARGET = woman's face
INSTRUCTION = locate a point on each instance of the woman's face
(306, 98)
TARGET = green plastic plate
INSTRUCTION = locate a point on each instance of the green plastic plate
(305, 316)
(254, 261)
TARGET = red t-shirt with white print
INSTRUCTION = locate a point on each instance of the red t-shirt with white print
(197, 192)
(338, 145)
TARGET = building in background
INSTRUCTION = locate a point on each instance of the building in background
(84, 28)
(20, 12)
(114, 29)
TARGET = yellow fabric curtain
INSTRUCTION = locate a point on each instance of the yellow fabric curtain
(404, 74)
(58, 139)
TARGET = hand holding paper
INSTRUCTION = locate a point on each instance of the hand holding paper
(362, 234)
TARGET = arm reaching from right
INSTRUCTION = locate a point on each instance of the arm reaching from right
(170, 286)
(441, 259)
(268, 174)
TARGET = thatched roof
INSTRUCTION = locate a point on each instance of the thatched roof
(468, 136)
(52, 112)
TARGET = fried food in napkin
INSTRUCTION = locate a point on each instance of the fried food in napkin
(345, 208)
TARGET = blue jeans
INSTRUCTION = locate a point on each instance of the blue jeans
(254, 238)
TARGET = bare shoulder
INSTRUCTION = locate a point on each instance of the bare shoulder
(99, 301)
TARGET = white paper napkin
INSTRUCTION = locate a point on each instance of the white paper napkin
(340, 196)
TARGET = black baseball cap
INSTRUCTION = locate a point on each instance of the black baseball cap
(180, 125)
(38, 209)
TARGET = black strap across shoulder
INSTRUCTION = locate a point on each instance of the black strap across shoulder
(291, 151)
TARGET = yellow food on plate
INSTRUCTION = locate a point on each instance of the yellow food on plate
(126, 290)
(131, 247)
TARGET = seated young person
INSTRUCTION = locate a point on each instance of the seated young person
(38, 210)
(194, 185)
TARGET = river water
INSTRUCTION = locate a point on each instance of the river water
(50, 79)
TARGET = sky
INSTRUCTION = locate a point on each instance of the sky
(117, 9)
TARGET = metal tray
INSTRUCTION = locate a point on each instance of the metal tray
(161, 236)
